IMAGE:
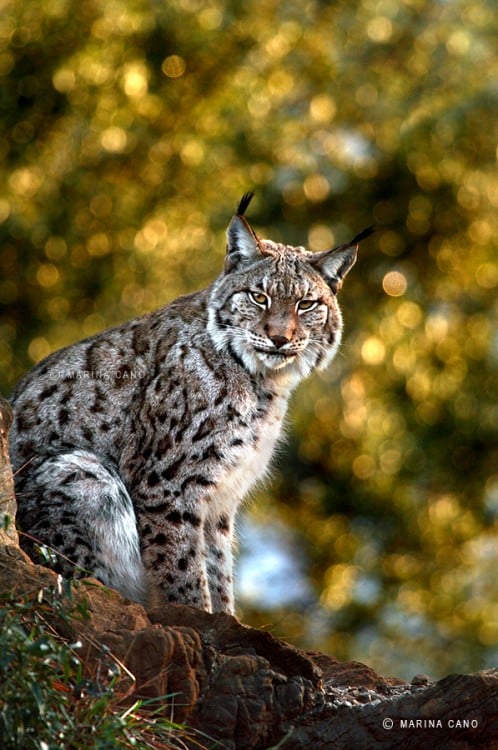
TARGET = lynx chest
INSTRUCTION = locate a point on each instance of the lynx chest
(250, 457)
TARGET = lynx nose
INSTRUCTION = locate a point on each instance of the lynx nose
(279, 341)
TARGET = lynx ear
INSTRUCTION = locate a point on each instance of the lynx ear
(335, 264)
(242, 242)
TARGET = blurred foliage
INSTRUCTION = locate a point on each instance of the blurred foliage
(130, 128)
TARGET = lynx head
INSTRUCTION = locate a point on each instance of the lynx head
(275, 306)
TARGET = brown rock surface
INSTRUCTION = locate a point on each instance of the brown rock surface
(8, 534)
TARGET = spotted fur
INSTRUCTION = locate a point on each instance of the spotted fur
(134, 448)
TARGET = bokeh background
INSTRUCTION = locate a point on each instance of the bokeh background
(130, 129)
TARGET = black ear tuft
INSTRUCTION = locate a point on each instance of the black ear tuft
(334, 264)
(242, 242)
(244, 202)
(363, 235)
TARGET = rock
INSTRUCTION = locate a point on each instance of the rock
(8, 533)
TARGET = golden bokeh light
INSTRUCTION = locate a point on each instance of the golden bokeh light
(373, 351)
(394, 284)
(173, 66)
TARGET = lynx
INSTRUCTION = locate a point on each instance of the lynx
(134, 448)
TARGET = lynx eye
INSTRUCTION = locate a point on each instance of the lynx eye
(306, 305)
(259, 299)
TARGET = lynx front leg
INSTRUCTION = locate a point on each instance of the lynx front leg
(175, 560)
(219, 563)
